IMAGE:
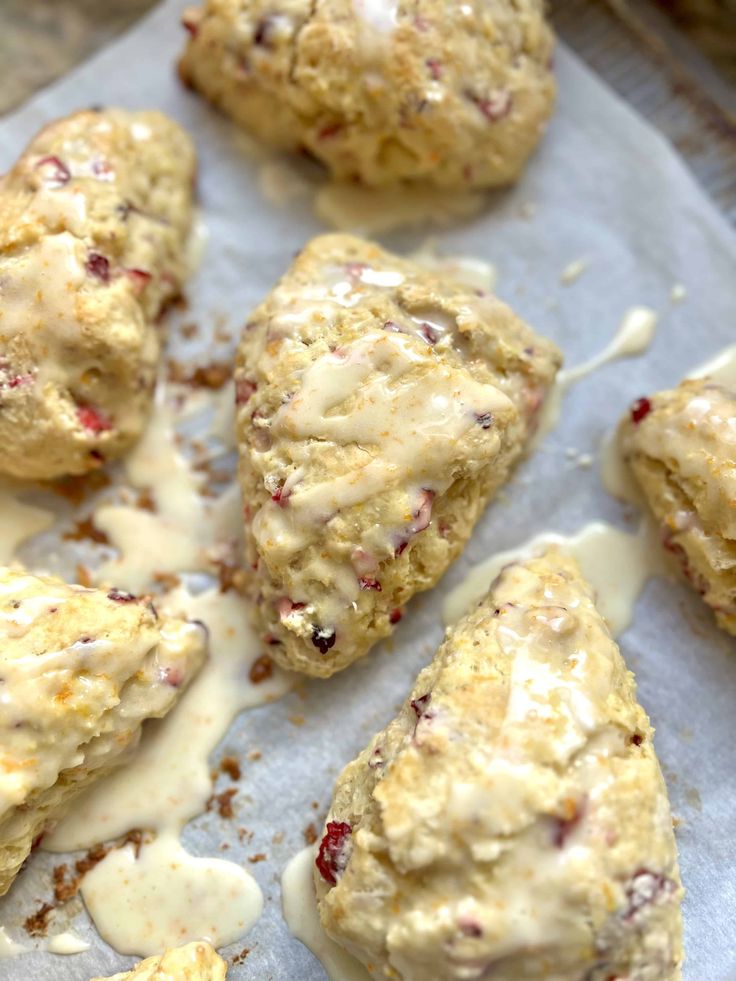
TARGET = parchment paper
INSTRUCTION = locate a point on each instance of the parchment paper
(605, 186)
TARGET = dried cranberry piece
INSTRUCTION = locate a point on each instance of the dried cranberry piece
(98, 266)
(323, 638)
(120, 596)
(564, 827)
(637, 739)
(172, 677)
(640, 409)
(495, 107)
(333, 855)
(139, 279)
(366, 583)
(395, 615)
(93, 420)
(484, 420)
(327, 132)
(190, 24)
(469, 927)
(421, 704)
(429, 333)
(53, 171)
(244, 388)
(286, 606)
(281, 496)
(423, 513)
(435, 68)
(647, 888)
(264, 30)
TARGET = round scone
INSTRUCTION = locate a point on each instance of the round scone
(512, 822)
(380, 406)
(80, 670)
(193, 962)
(681, 448)
(452, 93)
(94, 221)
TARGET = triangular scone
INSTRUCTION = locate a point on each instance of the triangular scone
(681, 448)
(194, 962)
(94, 220)
(512, 822)
(80, 671)
(380, 406)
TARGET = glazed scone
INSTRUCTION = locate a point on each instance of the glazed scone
(80, 670)
(94, 221)
(380, 407)
(382, 90)
(193, 962)
(681, 448)
(512, 822)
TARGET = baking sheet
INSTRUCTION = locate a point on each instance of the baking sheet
(605, 186)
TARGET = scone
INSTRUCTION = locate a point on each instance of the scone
(456, 94)
(80, 671)
(681, 448)
(94, 221)
(380, 406)
(193, 962)
(512, 822)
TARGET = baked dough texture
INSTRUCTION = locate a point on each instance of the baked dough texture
(193, 962)
(681, 448)
(380, 406)
(94, 220)
(381, 91)
(512, 821)
(81, 671)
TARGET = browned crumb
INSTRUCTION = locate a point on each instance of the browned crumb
(239, 958)
(85, 529)
(254, 754)
(63, 890)
(84, 577)
(231, 576)
(38, 923)
(145, 501)
(231, 766)
(261, 669)
(243, 833)
(310, 834)
(258, 857)
(189, 330)
(223, 803)
(278, 838)
(213, 375)
(167, 579)
(315, 805)
(75, 489)
(296, 720)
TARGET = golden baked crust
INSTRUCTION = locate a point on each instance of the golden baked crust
(380, 407)
(94, 219)
(512, 821)
(456, 94)
(81, 671)
(681, 448)
(193, 962)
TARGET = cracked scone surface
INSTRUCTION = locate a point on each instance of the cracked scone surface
(94, 220)
(455, 94)
(681, 448)
(81, 671)
(512, 821)
(380, 406)
(192, 962)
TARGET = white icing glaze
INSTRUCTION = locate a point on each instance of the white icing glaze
(299, 904)
(678, 293)
(634, 335)
(167, 897)
(66, 943)
(617, 565)
(9, 947)
(18, 521)
(573, 271)
(721, 368)
(380, 15)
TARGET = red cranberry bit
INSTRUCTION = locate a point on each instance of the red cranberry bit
(190, 23)
(355, 269)
(421, 705)
(98, 266)
(469, 927)
(423, 513)
(395, 615)
(139, 279)
(333, 855)
(244, 388)
(647, 888)
(435, 68)
(285, 607)
(17, 381)
(484, 420)
(400, 548)
(636, 739)
(323, 638)
(53, 171)
(172, 677)
(120, 596)
(93, 420)
(640, 410)
(263, 34)
(564, 827)
(376, 759)
(102, 168)
(392, 326)
(429, 333)
(495, 107)
(327, 132)
(281, 496)
(369, 584)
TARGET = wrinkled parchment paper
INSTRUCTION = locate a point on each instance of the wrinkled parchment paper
(606, 187)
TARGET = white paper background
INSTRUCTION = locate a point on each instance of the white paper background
(605, 186)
